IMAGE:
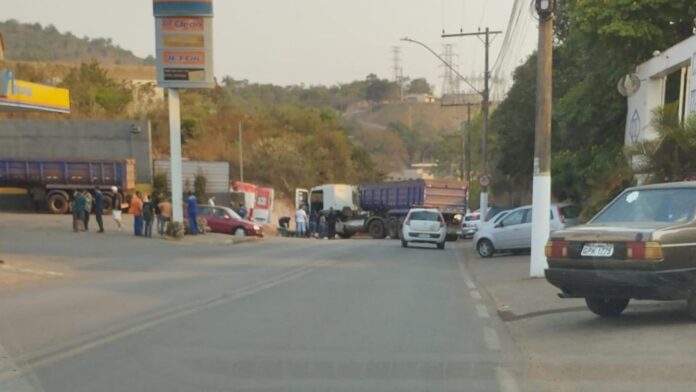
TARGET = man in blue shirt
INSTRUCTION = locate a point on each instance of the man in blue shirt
(98, 208)
(192, 206)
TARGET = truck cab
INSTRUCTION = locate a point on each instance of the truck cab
(340, 197)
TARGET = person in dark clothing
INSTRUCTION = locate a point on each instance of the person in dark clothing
(148, 216)
(88, 208)
(156, 200)
(313, 219)
(98, 208)
(78, 211)
(331, 223)
(321, 223)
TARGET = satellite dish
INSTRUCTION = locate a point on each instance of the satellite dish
(628, 85)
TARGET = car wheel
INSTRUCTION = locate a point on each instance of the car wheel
(485, 248)
(404, 244)
(441, 245)
(239, 232)
(607, 307)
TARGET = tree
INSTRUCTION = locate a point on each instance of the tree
(93, 93)
(419, 86)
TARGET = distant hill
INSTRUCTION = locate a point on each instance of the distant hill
(33, 42)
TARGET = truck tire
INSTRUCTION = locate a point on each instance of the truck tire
(58, 203)
(376, 229)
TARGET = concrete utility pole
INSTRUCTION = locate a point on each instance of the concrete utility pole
(175, 156)
(468, 151)
(541, 188)
(485, 106)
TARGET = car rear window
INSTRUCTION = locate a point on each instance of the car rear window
(570, 212)
(425, 216)
(651, 205)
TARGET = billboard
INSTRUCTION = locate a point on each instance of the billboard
(20, 95)
(184, 39)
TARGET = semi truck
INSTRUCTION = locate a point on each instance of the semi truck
(53, 181)
(380, 208)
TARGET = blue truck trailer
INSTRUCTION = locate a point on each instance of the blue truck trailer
(53, 181)
(380, 208)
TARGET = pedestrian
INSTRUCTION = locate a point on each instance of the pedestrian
(300, 221)
(88, 208)
(98, 208)
(331, 223)
(313, 217)
(242, 211)
(322, 225)
(136, 209)
(78, 210)
(148, 216)
(211, 201)
(192, 207)
(155, 200)
(116, 212)
(165, 208)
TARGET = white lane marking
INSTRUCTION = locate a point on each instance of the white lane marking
(469, 284)
(202, 305)
(467, 281)
(506, 380)
(482, 311)
(12, 378)
(491, 339)
(475, 294)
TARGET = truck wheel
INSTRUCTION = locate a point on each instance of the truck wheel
(607, 307)
(58, 203)
(377, 229)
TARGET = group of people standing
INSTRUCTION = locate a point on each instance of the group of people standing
(318, 224)
(148, 209)
(84, 203)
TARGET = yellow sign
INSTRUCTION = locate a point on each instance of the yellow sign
(184, 41)
(21, 95)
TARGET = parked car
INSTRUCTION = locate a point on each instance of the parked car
(224, 220)
(470, 224)
(424, 225)
(513, 232)
(640, 246)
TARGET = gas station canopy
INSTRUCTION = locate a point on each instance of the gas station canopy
(18, 95)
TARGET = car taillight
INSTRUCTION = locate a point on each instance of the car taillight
(556, 249)
(560, 214)
(638, 250)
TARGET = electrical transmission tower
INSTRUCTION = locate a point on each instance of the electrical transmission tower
(397, 71)
(451, 87)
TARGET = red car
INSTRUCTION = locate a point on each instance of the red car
(225, 220)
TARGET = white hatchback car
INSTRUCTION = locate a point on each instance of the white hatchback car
(424, 225)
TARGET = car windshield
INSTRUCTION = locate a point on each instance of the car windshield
(231, 213)
(425, 216)
(651, 205)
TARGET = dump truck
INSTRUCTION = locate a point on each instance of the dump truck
(53, 181)
(380, 208)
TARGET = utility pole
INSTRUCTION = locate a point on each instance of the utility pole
(468, 150)
(241, 154)
(484, 181)
(541, 187)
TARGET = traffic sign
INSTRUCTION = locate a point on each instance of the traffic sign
(484, 180)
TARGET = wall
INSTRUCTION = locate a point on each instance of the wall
(651, 93)
(68, 139)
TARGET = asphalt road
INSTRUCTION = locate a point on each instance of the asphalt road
(132, 314)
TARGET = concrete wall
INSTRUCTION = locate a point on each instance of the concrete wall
(650, 96)
(36, 139)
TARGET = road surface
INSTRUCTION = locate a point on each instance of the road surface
(119, 313)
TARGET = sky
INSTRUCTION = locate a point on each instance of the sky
(304, 41)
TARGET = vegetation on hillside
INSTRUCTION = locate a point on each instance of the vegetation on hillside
(597, 42)
(32, 42)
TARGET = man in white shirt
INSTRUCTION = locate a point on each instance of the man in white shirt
(301, 221)
(211, 201)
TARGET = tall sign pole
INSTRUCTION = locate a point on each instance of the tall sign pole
(541, 187)
(184, 39)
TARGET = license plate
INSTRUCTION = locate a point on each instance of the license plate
(423, 235)
(597, 250)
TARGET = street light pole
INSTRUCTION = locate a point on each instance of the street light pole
(541, 187)
(485, 108)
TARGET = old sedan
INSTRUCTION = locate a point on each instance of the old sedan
(640, 246)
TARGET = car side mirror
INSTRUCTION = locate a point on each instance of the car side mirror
(499, 225)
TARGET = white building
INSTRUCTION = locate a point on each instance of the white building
(675, 64)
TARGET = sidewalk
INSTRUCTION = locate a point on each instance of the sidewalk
(565, 347)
